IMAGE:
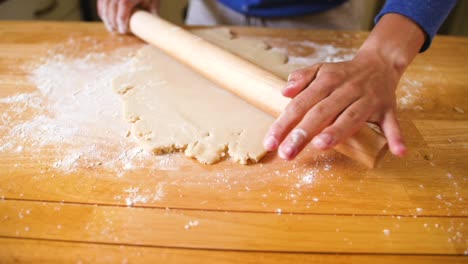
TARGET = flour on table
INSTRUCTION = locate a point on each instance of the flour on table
(409, 94)
(75, 114)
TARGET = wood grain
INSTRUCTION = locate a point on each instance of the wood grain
(332, 209)
(444, 133)
(60, 252)
(233, 231)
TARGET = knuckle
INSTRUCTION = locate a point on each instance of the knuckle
(335, 130)
(353, 115)
(296, 107)
(319, 110)
(353, 87)
(297, 75)
(328, 77)
(276, 129)
(279, 127)
(324, 88)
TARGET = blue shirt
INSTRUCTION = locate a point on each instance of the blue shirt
(428, 14)
(280, 8)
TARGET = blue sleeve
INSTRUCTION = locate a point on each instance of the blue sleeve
(428, 14)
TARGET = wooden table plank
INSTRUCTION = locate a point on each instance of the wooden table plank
(45, 251)
(444, 133)
(396, 188)
(233, 231)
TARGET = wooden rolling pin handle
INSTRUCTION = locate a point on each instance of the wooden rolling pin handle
(248, 81)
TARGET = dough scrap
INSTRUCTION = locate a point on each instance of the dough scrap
(172, 108)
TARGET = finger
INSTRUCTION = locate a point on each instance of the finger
(294, 112)
(392, 132)
(152, 6)
(299, 80)
(124, 11)
(318, 117)
(112, 14)
(103, 7)
(100, 8)
(347, 123)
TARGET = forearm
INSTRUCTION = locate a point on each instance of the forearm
(395, 39)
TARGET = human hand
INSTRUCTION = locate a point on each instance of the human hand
(332, 101)
(116, 13)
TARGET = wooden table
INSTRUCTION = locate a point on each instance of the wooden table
(412, 209)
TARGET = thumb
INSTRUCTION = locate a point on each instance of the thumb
(392, 132)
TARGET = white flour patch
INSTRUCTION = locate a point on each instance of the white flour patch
(322, 53)
(192, 224)
(134, 195)
(308, 178)
(75, 113)
(409, 94)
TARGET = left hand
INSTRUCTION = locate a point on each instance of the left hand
(332, 101)
(116, 13)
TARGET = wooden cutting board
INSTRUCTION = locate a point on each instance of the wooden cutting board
(322, 207)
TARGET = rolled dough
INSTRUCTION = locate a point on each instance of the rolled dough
(172, 108)
(253, 50)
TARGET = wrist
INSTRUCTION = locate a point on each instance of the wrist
(396, 40)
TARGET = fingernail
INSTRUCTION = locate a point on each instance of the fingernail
(270, 143)
(298, 135)
(121, 27)
(108, 26)
(287, 152)
(121, 30)
(322, 141)
(289, 85)
(401, 150)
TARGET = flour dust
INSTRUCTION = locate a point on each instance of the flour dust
(74, 113)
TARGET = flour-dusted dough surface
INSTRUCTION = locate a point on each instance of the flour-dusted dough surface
(250, 49)
(173, 108)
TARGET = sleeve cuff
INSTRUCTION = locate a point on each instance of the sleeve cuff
(428, 37)
(427, 14)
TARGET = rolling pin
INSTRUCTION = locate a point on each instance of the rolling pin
(242, 78)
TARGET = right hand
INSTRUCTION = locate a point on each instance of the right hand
(116, 13)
